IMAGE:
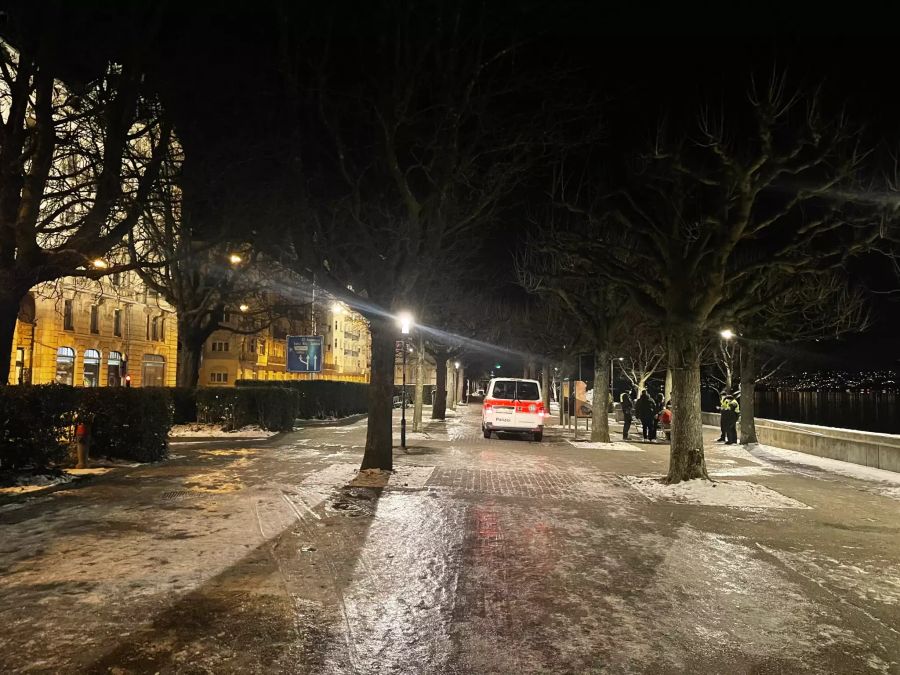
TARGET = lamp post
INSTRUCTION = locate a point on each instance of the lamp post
(405, 324)
(611, 363)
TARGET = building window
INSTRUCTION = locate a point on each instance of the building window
(68, 320)
(91, 368)
(252, 345)
(153, 373)
(220, 346)
(162, 329)
(117, 322)
(218, 378)
(262, 346)
(154, 328)
(95, 319)
(116, 279)
(114, 369)
(148, 326)
(65, 365)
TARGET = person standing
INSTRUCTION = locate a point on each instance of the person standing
(627, 411)
(732, 413)
(723, 404)
(645, 411)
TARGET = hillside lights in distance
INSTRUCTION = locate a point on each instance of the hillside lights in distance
(406, 321)
(727, 334)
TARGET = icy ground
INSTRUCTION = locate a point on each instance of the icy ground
(197, 429)
(474, 556)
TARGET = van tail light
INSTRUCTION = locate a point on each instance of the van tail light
(532, 408)
(487, 406)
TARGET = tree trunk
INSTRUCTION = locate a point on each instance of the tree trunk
(420, 387)
(460, 382)
(748, 393)
(667, 391)
(191, 339)
(545, 387)
(379, 438)
(439, 409)
(452, 374)
(686, 460)
(10, 301)
(599, 414)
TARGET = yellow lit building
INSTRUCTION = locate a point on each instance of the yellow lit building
(95, 333)
(229, 355)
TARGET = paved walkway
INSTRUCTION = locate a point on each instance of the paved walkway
(480, 556)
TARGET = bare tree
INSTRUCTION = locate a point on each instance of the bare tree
(77, 161)
(710, 215)
(403, 168)
(795, 308)
(644, 355)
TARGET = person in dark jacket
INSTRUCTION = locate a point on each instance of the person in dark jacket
(723, 403)
(730, 416)
(627, 412)
(645, 410)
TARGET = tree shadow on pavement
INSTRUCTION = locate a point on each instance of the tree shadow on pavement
(278, 609)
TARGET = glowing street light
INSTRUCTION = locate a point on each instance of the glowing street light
(406, 321)
(337, 308)
(234, 259)
(456, 365)
(727, 334)
(100, 263)
(244, 308)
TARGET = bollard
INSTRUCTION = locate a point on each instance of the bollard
(82, 441)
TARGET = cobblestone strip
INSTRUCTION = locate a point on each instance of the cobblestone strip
(537, 484)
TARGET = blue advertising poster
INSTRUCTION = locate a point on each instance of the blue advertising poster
(304, 353)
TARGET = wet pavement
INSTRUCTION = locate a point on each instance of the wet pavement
(478, 556)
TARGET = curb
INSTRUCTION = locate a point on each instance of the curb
(344, 421)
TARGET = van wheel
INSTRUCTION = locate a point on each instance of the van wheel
(538, 436)
(487, 433)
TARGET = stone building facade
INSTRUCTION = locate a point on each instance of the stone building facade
(89, 333)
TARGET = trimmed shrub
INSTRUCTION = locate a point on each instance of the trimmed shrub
(36, 424)
(272, 408)
(322, 399)
(128, 423)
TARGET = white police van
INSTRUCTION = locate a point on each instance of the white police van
(513, 405)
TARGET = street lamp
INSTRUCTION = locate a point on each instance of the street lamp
(611, 362)
(336, 308)
(100, 263)
(406, 320)
(727, 334)
(234, 259)
(244, 308)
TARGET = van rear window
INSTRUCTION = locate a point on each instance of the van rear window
(513, 390)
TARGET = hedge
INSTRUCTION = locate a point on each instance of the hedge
(37, 423)
(272, 408)
(321, 399)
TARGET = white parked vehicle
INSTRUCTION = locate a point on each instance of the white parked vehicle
(513, 405)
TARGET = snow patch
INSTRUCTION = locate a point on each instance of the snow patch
(735, 494)
(215, 430)
(31, 483)
(888, 480)
(616, 445)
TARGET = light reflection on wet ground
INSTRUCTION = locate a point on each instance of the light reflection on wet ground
(500, 556)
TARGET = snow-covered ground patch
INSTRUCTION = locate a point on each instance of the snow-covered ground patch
(736, 494)
(615, 445)
(30, 483)
(848, 469)
(197, 429)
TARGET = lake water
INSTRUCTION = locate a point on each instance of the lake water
(864, 411)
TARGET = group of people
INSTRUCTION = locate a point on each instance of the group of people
(653, 413)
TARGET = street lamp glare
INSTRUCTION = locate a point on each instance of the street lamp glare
(244, 308)
(100, 263)
(621, 358)
(727, 334)
(456, 364)
(406, 321)
(336, 308)
(234, 259)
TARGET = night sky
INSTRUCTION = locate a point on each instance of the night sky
(217, 68)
